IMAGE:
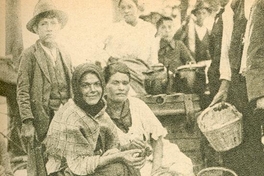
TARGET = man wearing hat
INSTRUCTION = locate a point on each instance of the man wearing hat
(43, 84)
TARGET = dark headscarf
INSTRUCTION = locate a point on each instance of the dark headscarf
(78, 73)
(114, 68)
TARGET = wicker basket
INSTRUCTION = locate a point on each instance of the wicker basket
(225, 136)
(216, 171)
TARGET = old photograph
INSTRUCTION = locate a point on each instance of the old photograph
(132, 88)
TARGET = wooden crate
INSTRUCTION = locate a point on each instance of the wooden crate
(174, 104)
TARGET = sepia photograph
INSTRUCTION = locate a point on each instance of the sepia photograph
(132, 88)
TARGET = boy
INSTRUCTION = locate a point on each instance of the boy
(43, 83)
(172, 53)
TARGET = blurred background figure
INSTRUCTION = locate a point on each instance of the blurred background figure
(195, 33)
(172, 9)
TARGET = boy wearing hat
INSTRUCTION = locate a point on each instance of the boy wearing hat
(44, 77)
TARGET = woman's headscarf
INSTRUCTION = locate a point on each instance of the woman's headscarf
(79, 72)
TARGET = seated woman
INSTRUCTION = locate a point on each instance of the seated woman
(82, 139)
(138, 127)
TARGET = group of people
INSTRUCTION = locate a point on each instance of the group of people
(83, 121)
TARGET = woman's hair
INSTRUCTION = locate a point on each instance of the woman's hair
(114, 68)
(161, 20)
(140, 7)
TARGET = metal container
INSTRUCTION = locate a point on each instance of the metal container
(156, 80)
(190, 78)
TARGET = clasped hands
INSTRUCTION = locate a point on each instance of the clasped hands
(133, 153)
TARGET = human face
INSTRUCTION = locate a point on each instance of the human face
(129, 11)
(166, 30)
(48, 29)
(200, 16)
(117, 87)
(91, 89)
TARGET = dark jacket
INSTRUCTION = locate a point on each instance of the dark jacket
(173, 54)
(239, 28)
(34, 86)
(255, 52)
(215, 44)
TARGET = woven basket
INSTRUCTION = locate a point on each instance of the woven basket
(216, 171)
(226, 136)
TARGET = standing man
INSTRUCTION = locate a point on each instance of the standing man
(219, 73)
(253, 68)
(43, 85)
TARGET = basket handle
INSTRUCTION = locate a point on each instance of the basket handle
(216, 168)
(214, 106)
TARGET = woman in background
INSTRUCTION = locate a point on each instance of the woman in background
(131, 41)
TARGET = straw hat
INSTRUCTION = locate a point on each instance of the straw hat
(201, 5)
(45, 6)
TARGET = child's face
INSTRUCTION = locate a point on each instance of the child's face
(201, 15)
(165, 30)
(48, 29)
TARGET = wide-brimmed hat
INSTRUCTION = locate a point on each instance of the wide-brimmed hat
(201, 5)
(150, 17)
(44, 6)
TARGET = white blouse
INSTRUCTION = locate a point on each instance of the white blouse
(125, 40)
(145, 122)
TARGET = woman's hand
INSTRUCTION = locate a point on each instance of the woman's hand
(134, 144)
(111, 151)
(137, 144)
(132, 158)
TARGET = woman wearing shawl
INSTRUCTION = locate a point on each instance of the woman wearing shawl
(82, 139)
(138, 127)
